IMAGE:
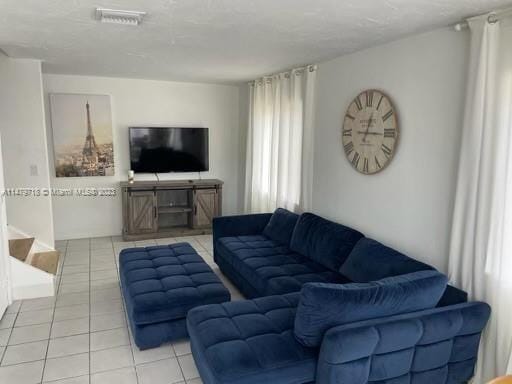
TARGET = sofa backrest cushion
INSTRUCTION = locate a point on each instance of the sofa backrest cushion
(323, 241)
(323, 306)
(371, 260)
(280, 226)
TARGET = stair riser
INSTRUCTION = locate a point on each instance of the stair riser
(46, 261)
(20, 248)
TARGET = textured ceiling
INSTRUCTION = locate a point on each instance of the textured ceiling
(213, 40)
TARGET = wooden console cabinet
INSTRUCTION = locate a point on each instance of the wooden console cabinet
(168, 208)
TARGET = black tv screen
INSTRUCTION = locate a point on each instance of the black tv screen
(158, 149)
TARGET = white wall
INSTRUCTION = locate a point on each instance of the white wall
(23, 130)
(146, 103)
(408, 205)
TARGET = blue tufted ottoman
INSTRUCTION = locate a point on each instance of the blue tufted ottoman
(160, 285)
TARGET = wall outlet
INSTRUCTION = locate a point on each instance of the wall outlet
(33, 170)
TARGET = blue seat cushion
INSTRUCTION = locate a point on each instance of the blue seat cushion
(250, 342)
(371, 260)
(163, 283)
(323, 241)
(270, 267)
(323, 306)
(280, 226)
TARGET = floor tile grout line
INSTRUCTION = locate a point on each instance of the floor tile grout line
(81, 334)
(51, 323)
(67, 355)
(10, 334)
(116, 262)
(58, 381)
(181, 369)
(124, 314)
(23, 363)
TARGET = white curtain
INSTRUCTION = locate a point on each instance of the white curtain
(481, 244)
(279, 163)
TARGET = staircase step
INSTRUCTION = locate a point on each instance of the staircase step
(47, 261)
(20, 248)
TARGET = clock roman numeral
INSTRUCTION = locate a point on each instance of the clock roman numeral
(359, 105)
(348, 115)
(380, 101)
(347, 132)
(389, 132)
(369, 98)
(355, 159)
(349, 148)
(387, 115)
(387, 151)
(365, 165)
(377, 164)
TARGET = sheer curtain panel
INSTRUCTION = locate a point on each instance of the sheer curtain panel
(481, 244)
(280, 141)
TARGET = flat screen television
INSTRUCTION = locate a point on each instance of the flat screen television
(165, 149)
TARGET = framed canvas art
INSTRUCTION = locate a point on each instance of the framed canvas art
(82, 135)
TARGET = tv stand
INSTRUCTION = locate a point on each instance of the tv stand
(169, 208)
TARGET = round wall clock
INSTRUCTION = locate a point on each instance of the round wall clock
(370, 132)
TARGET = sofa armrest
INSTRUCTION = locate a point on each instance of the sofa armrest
(240, 225)
(437, 345)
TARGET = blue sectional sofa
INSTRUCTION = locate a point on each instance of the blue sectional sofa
(329, 306)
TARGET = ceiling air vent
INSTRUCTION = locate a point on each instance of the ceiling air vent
(115, 16)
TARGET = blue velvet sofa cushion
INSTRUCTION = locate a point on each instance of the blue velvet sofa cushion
(323, 241)
(163, 283)
(323, 306)
(371, 260)
(281, 225)
(270, 267)
(250, 342)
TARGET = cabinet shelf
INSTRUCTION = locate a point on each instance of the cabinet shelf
(165, 209)
(169, 228)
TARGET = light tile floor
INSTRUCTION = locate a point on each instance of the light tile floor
(81, 335)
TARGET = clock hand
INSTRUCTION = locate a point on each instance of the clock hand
(367, 128)
(369, 133)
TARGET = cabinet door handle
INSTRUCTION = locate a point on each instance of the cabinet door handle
(195, 209)
(154, 211)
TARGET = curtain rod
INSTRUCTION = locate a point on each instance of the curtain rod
(308, 67)
(492, 17)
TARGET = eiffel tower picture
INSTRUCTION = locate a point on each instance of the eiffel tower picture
(90, 151)
(77, 154)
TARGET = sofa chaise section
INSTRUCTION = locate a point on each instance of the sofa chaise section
(250, 342)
